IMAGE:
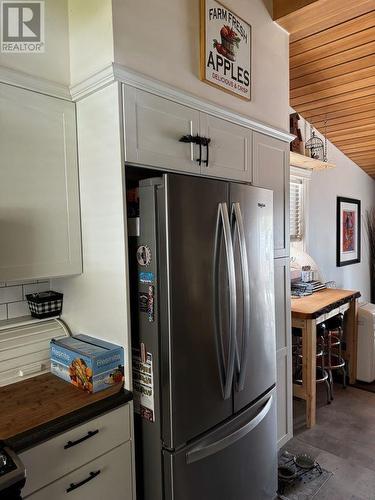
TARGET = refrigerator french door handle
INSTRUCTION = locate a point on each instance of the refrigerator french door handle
(226, 367)
(208, 449)
(241, 360)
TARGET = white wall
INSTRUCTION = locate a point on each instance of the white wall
(53, 64)
(348, 180)
(96, 302)
(91, 37)
(160, 38)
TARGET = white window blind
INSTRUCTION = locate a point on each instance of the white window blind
(296, 208)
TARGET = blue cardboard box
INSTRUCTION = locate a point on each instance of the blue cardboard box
(88, 363)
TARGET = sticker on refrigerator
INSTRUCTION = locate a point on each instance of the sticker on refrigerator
(143, 302)
(146, 277)
(150, 303)
(143, 255)
(143, 385)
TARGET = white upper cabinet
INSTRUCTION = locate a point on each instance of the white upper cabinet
(153, 129)
(39, 194)
(271, 170)
(229, 149)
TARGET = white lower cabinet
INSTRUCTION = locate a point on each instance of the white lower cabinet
(74, 458)
(109, 476)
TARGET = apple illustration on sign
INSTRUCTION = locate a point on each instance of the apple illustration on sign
(230, 42)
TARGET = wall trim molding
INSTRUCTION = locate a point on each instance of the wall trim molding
(116, 72)
(93, 83)
(28, 82)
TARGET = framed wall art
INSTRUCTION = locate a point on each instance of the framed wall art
(348, 231)
(225, 49)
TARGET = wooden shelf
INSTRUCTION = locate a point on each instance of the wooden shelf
(297, 160)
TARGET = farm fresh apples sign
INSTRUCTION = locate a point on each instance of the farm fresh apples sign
(225, 49)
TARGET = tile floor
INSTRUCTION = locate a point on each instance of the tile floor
(343, 442)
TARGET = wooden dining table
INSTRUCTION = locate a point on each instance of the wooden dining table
(307, 313)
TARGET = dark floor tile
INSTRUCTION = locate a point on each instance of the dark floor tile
(343, 442)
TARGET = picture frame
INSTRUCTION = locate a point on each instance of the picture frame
(225, 49)
(348, 231)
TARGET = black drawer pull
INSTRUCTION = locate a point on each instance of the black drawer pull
(74, 486)
(90, 434)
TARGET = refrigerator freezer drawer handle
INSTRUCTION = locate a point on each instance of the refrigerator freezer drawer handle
(197, 454)
(226, 366)
(241, 360)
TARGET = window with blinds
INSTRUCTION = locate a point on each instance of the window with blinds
(296, 208)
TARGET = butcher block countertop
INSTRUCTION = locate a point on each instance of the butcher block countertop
(38, 408)
(322, 302)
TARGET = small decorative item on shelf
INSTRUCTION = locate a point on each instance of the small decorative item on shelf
(296, 146)
(315, 147)
(45, 304)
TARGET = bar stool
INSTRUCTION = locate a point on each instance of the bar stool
(333, 339)
(321, 373)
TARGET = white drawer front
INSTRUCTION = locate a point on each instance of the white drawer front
(50, 460)
(109, 476)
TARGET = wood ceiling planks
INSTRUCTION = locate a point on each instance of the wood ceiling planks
(332, 70)
(322, 15)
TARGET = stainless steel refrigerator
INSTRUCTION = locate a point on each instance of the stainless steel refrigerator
(203, 332)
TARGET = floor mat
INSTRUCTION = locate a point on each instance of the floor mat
(307, 486)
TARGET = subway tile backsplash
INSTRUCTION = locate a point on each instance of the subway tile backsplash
(13, 303)
(17, 309)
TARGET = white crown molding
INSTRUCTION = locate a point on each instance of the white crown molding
(116, 72)
(93, 83)
(147, 84)
(19, 79)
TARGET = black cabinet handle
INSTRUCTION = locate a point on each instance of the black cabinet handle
(74, 486)
(195, 139)
(201, 141)
(90, 434)
(187, 138)
(207, 144)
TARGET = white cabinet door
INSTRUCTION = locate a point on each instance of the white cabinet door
(109, 476)
(52, 459)
(153, 128)
(271, 170)
(229, 150)
(284, 352)
(39, 197)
